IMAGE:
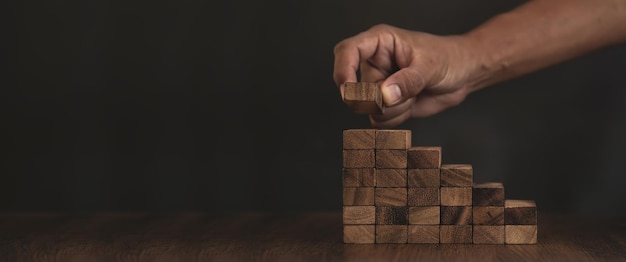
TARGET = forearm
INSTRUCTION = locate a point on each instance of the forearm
(541, 33)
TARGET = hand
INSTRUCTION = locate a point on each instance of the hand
(420, 74)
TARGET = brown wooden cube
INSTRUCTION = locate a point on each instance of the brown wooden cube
(457, 175)
(359, 234)
(423, 196)
(395, 177)
(520, 234)
(456, 196)
(362, 215)
(358, 196)
(455, 234)
(359, 139)
(520, 212)
(456, 215)
(363, 98)
(423, 178)
(488, 234)
(424, 157)
(390, 158)
(424, 216)
(393, 139)
(391, 215)
(359, 158)
(359, 177)
(424, 234)
(488, 215)
(390, 196)
(391, 234)
(488, 194)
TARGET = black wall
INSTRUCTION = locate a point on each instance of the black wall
(223, 105)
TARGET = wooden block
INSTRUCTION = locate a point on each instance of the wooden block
(387, 215)
(488, 194)
(391, 234)
(424, 234)
(359, 234)
(393, 139)
(488, 234)
(358, 196)
(359, 177)
(393, 196)
(520, 212)
(423, 177)
(457, 175)
(455, 234)
(423, 196)
(424, 216)
(456, 215)
(390, 158)
(363, 98)
(424, 157)
(361, 215)
(456, 196)
(520, 234)
(488, 215)
(359, 139)
(359, 158)
(395, 177)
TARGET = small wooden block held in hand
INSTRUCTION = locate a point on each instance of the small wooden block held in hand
(520, 212)
(457, 175)
(424, 157)
(359, 234)
(363, 98)
(488, 194)
(360, 215)
(396, 234)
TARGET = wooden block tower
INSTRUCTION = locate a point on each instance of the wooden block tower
(396, 193)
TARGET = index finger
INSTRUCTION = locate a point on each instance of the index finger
(349, 53)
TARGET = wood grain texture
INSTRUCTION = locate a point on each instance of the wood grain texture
(490, 215)
(425, 216)
(456, 196)
(488, 234)
(390, 158)
(520, 234)
(359, 234)
(280, 236)
(363, 98)
(359, 215)
(391, 234)
(455, 234)
(395, 177)
(391, 215)
(359, 158)
(457, 175)
(359, 139)
(393, 139)
(359, 177)
(358, 196)
(390, 197)
(520, 212)
(423, 196)
(488, 194)
(423, 178)
(456, 215)
(424, 234)
(424, 157)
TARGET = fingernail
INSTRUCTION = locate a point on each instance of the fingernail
(393, 93)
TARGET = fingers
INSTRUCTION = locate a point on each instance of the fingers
(393, 116)
(402, 85)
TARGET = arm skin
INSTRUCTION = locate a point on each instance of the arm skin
(423, 74)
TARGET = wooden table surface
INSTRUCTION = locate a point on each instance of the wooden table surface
(277, 237)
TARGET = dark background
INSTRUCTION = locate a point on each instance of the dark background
(225, 106)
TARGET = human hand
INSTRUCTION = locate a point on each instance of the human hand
(420, 74)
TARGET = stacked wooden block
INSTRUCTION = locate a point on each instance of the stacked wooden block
(396, 193)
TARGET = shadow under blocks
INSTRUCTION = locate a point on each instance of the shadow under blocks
(394, 192)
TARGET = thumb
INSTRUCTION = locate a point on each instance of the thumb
(402, 85)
